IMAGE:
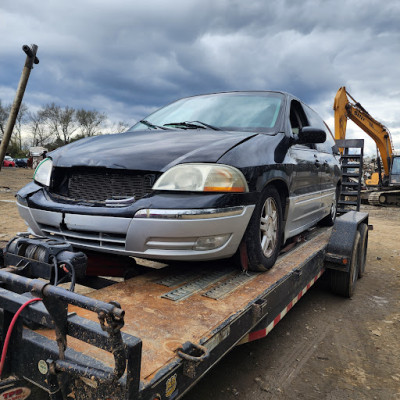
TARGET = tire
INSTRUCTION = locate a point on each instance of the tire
(330, 219)
(343, 283)
(363, 229)
(263, 236)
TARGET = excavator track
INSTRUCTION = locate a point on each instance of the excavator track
(373, 199)
(385, 198)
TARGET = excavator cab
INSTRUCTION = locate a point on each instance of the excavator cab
(394, 179)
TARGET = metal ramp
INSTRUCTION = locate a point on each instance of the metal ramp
(352, 171)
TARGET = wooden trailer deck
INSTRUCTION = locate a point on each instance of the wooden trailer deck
(164, 325)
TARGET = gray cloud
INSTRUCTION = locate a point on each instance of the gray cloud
(127, 58)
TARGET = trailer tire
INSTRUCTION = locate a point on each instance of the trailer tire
(263, 236)
(363, 229)
(343, 283)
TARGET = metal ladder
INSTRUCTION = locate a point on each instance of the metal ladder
(352, 172)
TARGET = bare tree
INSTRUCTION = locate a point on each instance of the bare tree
(90, 121)
(122, 126)
(39, 128)
(4, 111)
(20, 121)
(111, 127)
(62, 121)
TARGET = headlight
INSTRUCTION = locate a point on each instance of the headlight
(202, 178)
(42, 173)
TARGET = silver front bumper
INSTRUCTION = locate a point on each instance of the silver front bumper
(155, 234)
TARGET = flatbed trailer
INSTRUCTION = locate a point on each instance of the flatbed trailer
(155, 335)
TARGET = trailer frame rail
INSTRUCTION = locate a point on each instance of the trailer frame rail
(57, 361)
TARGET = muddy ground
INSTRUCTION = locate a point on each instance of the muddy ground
(326, 347)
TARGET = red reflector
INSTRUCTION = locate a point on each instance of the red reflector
(257, 334)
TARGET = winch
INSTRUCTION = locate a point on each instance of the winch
(50, 259)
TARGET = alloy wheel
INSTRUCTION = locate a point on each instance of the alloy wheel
(269, 227)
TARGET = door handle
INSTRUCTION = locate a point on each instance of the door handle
(317, 163)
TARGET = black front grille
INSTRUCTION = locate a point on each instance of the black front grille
(100, 184)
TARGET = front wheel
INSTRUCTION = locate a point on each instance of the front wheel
(263, 236)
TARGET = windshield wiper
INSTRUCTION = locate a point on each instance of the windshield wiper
(192, 125)
(207, 125)
(150, 125)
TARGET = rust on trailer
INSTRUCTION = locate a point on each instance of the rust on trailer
(164, 325)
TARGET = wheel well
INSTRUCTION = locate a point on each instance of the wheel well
(283, 193)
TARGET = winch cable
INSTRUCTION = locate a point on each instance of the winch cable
(38, 253)
(10, 329)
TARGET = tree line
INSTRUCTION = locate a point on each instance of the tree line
(53, 126)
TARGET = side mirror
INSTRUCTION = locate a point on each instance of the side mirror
(308, 135)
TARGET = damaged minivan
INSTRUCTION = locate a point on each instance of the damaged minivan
(194, 181)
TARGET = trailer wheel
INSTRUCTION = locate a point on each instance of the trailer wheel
(363, 229)
(343, 283)
(264, 233)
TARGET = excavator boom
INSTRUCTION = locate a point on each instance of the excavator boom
(388, 192)
(345, 109)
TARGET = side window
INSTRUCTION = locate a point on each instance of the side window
(298, 119)
(316, 122)
(294, 121)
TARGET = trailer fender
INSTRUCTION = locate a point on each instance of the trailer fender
(340, 247)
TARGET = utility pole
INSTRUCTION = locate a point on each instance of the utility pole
(30, 60)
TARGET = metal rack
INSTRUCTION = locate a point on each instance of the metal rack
(352, 172)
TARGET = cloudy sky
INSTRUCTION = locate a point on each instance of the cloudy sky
(126, 58)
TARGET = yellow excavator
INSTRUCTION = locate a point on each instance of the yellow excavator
(386, 183)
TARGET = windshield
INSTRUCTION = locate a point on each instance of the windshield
(396, 166)
(244, 111)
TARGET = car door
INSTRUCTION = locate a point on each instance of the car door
(329, 166)
(329, 171)
(305, 187)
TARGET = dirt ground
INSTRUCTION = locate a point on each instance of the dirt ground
(326, 347)
(11, 180)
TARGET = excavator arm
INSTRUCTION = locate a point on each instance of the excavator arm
(344, 109)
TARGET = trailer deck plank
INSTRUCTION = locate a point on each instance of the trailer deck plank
(164, 325)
